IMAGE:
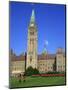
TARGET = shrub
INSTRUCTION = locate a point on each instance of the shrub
(53, 72)
(36, 71)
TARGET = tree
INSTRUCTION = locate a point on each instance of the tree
(30, 71)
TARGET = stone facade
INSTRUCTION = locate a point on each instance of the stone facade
(17, 64)
(52, 62)
(45, 63)
(60, 60)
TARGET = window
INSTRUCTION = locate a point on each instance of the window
(48, 68)
(51, 67)
(59, 56)
(30, 59)
(31, 33)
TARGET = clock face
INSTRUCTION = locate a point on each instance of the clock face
(32, 25)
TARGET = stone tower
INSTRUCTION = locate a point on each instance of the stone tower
(32, 43)
(60, 60)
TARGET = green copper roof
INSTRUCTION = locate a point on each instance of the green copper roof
(44, 51)
(33, 16)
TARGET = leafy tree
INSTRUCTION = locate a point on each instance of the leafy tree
(30, 71)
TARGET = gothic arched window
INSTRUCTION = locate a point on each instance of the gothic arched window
(30, 59)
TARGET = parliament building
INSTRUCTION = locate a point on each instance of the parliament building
(44, 62)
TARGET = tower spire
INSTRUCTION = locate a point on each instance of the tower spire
(32, 16)
(32, 43)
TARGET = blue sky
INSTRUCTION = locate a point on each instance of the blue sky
(50, 20)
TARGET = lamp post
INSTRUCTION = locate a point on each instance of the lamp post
(24, 76)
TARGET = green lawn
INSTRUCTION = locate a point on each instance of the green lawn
(37, 81)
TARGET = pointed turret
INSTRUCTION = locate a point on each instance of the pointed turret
(32, 17)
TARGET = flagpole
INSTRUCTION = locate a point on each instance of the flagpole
(25, 61)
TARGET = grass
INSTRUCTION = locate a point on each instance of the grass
(37, 81)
